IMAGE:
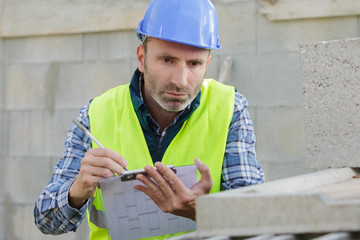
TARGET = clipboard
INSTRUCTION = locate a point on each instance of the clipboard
(131, 214)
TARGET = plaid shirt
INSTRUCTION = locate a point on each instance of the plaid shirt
(54, 215)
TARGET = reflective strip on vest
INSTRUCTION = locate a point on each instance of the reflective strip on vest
(97, 217)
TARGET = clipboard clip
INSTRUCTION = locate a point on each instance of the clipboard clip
(131, 174)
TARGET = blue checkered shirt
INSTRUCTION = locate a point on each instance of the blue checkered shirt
(54, 215)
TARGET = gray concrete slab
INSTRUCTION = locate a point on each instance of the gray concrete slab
(300, 204)
(1, 46)
(19, 216)
(275, 170)
(27, 86)
(331, 77)
(268, 80)
(45, 49)
(237, 24)
(38, 133)
(80, 82)
(286, 35)
(110, 45)
(280, 134)
(63, 17)
(34, 171)
(2, 75)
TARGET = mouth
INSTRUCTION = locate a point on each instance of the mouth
(176, 94)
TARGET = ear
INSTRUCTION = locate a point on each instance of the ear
(140, 57)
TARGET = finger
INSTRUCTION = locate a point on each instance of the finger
(96, 171)
(109, 159)
(173, 180)
(109, 153)
(151, 188)
(205, 180)
(158, 201)
(161, 182)
(146, 181)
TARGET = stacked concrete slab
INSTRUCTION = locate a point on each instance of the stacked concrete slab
(315, 203)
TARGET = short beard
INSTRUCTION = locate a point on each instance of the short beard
(178, 106)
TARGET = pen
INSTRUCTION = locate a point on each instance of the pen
(82, 128)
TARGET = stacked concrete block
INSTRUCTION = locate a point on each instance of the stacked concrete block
(237, 25)
(268, 80)
(45, 49)
(286, 35)
(331, 86)
(110, 45)
(280, 140)
(89, 78)
(2, 131)
(314, 203)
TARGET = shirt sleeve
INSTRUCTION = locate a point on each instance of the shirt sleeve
(240, 166)
(52, 212)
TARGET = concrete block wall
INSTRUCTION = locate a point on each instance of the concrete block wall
(44, 80)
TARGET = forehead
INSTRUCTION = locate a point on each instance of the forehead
(158, 46)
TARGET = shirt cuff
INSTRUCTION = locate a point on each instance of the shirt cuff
(74, 215)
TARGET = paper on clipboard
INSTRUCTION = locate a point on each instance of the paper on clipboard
(131, 214)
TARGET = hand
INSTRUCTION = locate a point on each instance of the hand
(97, 163)
(169, 193)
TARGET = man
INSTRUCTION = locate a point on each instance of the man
(168, 114)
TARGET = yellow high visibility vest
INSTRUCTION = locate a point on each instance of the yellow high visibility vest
(113, 121)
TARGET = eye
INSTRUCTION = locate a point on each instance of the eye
(166, 60)
(194, 63)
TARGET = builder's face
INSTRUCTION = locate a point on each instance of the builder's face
(173, 73)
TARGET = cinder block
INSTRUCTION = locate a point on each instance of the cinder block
(237, 26)
(2, 52)
(268, 80)
(4, 141)
(3, 133)
(2, 87)
(61, 123)
(280, 134)
(80, 82)
(331, 77)
(21, 217)
(29, 86)
(110, 45)
(42, 49)
(63, 17)
(26, 186)
(2, 181)
(1, 220)
(39, 133)
(27, 130)
(286, 35)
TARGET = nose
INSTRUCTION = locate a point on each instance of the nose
(180, 76)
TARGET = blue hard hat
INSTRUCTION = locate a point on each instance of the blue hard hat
(190, 22)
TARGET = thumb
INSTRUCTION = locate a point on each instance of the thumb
(205, 182)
